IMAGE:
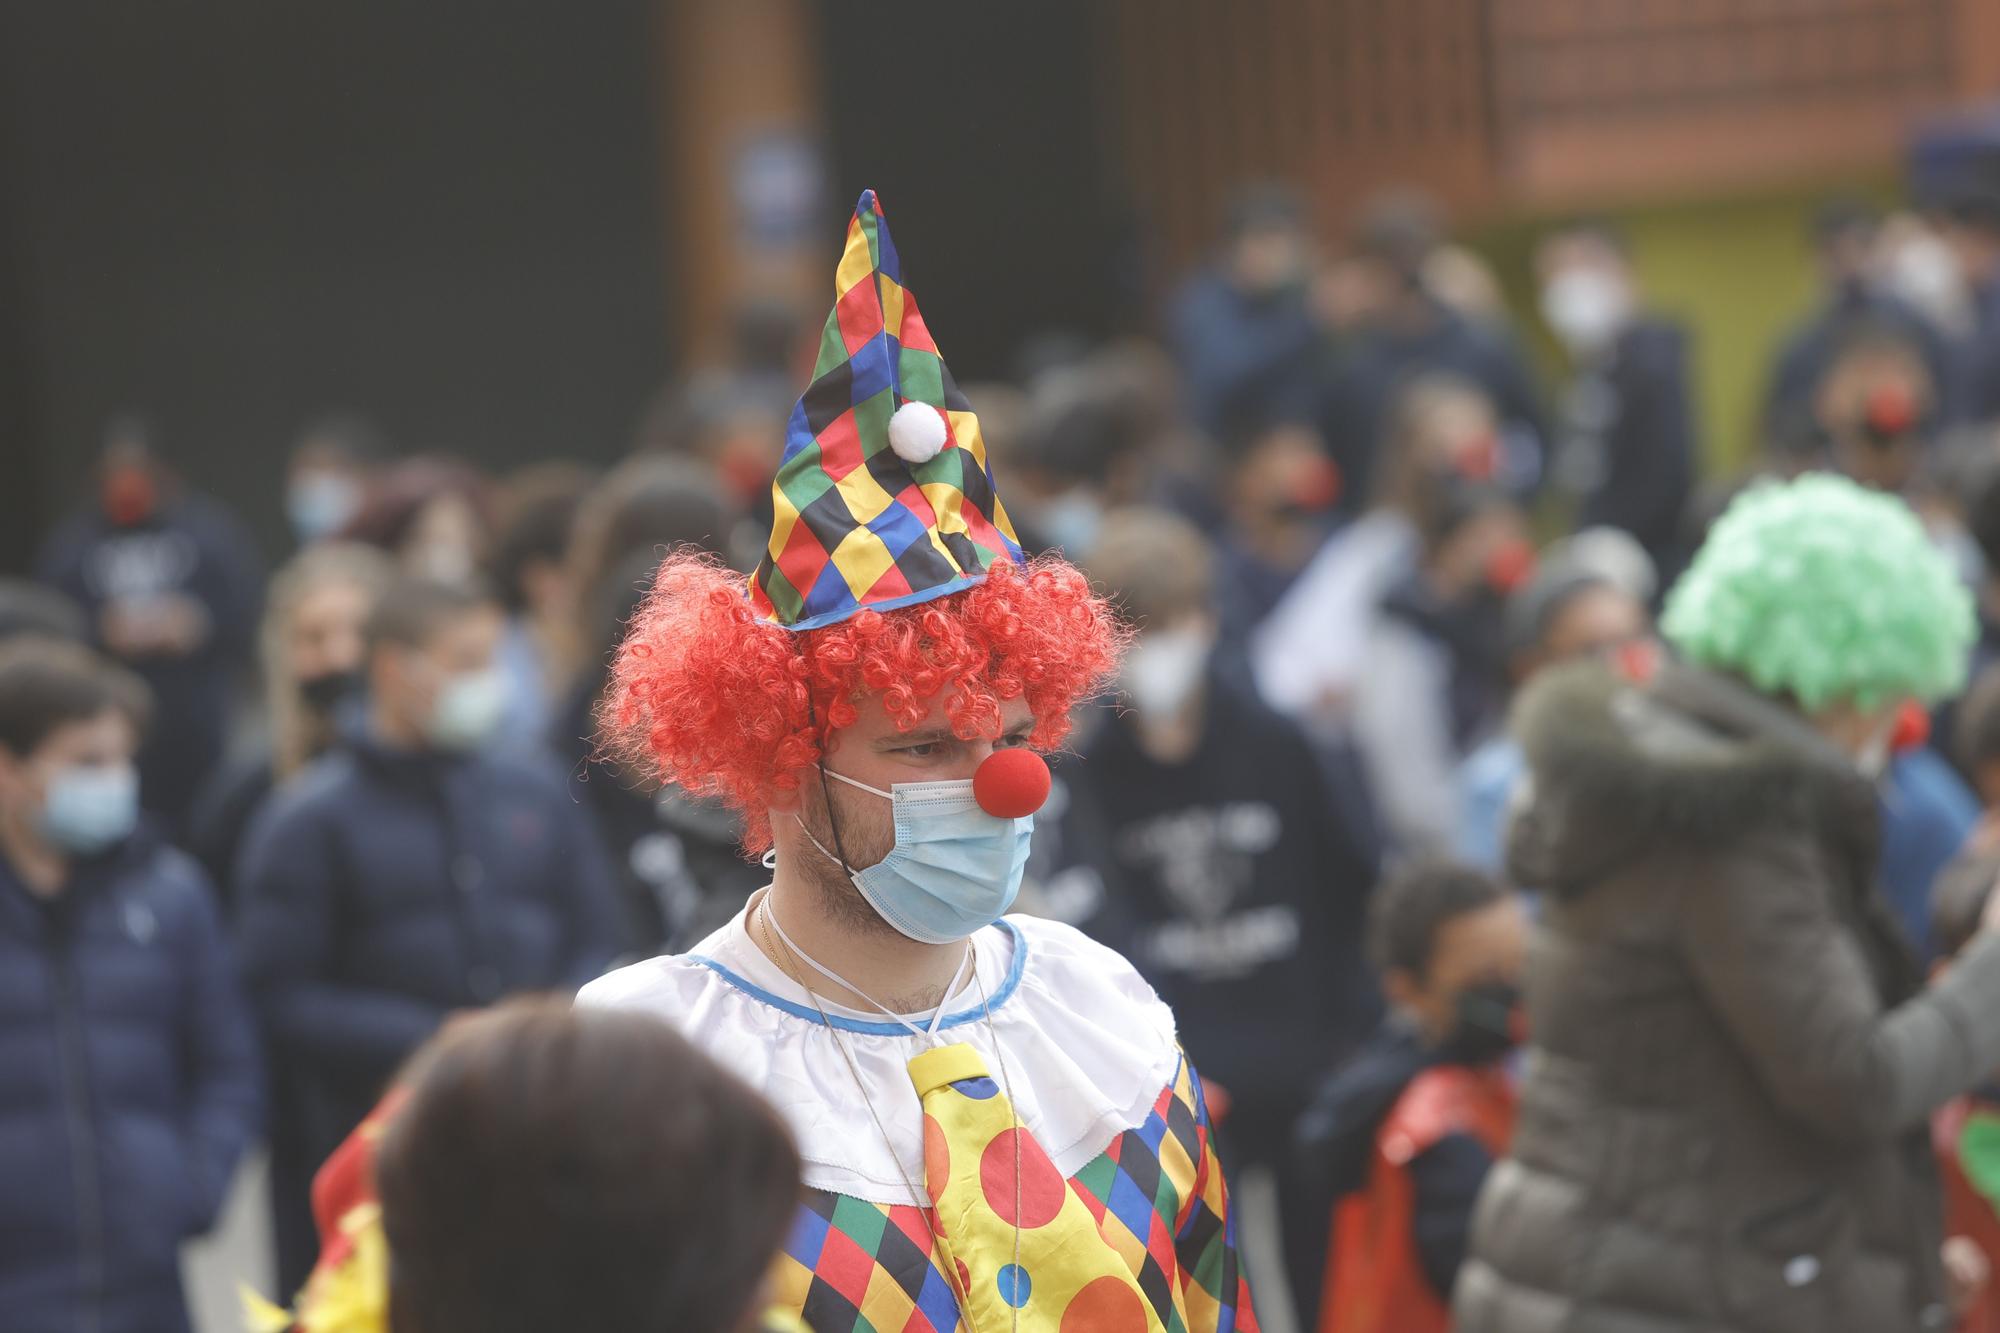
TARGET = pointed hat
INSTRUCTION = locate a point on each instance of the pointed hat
(885, 497)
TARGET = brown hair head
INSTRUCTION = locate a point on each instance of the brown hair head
(563, 1168)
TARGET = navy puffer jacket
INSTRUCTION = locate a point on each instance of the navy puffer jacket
(128, 1090)
(382, 889)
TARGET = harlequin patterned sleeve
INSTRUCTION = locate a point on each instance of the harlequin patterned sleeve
(1215, 1293)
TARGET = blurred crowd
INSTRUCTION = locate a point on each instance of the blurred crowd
(264, 835)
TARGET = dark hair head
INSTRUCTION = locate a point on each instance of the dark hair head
(1414, 904)
(688, 416)
(30, 608)
(406, 489)
(1958, 900)
(1538, 606)
(1400, 228)
(648, 504)
(345, 436)
(47, 684)
(1263, 206)
(1075, 428)
(412, 610)
(564, 1168)
(538, 512)
(1154, 564)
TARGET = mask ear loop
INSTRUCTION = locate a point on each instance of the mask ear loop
(826, 789)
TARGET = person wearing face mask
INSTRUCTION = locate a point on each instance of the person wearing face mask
(1387, 328)
(998, 1125)
(1857, 290)
(1433, 677)
(433, 513)
(411, 871)
(1404, 1134)
(1223, 865)
(129, 1085)
(170, 583)
(328, 481)
(1734, 1054)
(1587, 598)
(311, 646)
(1242, 329)
(1625, 444)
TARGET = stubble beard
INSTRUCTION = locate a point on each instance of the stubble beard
(834, 894)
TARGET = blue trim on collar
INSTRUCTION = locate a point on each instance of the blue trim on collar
(870, 1028)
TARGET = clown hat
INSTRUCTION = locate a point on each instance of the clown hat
(885, 496)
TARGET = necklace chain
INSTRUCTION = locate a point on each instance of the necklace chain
(773, 942)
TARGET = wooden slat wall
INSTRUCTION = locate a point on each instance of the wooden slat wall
(1596, 99)
(1499, 104)
(1339, 96)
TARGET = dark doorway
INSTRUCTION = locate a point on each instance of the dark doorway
(232, 217)
(978, 126)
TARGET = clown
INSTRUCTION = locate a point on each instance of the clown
(998, 1127)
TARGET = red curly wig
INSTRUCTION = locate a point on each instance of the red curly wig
(723, 704)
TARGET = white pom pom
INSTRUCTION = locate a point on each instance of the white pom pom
(916, 432)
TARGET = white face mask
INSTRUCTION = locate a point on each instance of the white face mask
(468, 710)
(1585, 309)
(1164, 669)
(1070, 522)
(1923, 271)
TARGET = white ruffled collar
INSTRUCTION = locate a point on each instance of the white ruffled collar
(1084, 1040)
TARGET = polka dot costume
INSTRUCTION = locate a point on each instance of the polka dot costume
(1065, 1278)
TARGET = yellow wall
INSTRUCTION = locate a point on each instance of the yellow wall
(1738, 271)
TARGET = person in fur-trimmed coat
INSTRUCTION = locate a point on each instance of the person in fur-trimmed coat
(1723, 1122)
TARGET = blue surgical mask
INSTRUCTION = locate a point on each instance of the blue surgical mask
(1071, 522)
(469, 709)
(88, 809)
(954, 868)
(321, 505)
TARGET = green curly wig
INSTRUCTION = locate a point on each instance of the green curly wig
(1825, 591)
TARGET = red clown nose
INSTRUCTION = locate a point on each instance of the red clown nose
(1913, 728)
(1011, 784)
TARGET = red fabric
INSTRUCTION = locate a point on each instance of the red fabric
(1966, 1211)
(1377, 1284)
(347, 1180)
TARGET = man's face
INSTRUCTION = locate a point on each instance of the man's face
(105, 741)
(409, 680)
(326, 635)
(859, 825)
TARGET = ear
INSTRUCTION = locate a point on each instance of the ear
(1402, 989)
(13, 774)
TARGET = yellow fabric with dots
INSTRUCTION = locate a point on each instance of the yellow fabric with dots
(1067, 1280)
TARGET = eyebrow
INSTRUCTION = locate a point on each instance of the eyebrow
(943, 735)
(922, 736)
